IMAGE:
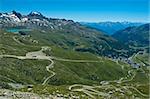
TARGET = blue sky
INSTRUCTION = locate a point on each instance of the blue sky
(83, 10)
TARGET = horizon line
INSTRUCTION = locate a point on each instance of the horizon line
(80, 21)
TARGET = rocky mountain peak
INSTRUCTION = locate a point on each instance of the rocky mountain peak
(33, 20)
(34, 13)
(17, 14)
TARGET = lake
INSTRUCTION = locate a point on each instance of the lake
(16, 30)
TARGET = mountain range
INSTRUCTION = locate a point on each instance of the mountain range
(58, 58)
(64, 33)
(33, 19)
(111, 27)
(135, 36)
(72, 35)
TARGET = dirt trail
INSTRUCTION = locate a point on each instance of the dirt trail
(15, 39)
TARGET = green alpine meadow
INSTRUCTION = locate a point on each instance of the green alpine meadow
(44, 57)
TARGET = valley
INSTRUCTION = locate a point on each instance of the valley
(56, 58)
(121, 87)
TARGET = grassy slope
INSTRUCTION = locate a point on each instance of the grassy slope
(86, 73)
(65, 70)
(23, 71)
(67, 73)
(82, 39)
(9, 46)
(135, 36)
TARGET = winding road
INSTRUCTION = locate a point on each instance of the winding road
(42, 56)
(88, 90)
(92, 92)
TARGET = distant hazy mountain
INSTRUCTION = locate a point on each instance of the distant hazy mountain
(136, 36)
(111, 27)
